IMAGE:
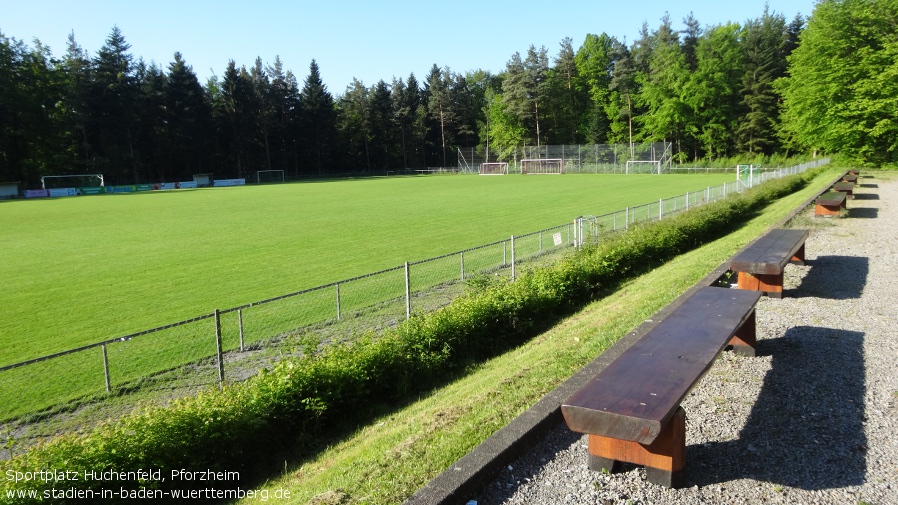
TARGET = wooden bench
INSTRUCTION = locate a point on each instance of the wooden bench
(760, 265)
(830, 204)
(844, 187)
(631, 409)
(849, 178)
(854, 171)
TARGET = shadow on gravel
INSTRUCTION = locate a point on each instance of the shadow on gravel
(865, 196)
(834, 278)
(863, 212)
(863, 185)
(806, 429)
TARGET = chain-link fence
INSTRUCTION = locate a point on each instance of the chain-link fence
(74, 389)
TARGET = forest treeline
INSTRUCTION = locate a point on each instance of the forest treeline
(766, 86)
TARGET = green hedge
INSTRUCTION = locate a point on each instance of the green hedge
(301, 400)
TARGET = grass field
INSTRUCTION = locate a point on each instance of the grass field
(79, 270)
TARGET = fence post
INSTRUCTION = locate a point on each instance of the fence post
(627, 218)
(580, 232)
(660, 209)
(218, 348)
(408, 294)
(462, 254)
(512, 259)
(504, 253)
(240, 326)
(339, 313)
(106, 369)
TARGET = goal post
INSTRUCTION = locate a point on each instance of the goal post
(265, 176)
(745, 176)
(542, 166)
(642, 167)
(73, 181)
(493, 168)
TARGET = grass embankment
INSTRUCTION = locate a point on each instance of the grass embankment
(302, 401)
(389, 459)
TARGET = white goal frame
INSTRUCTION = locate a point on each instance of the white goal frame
(656, 170)
(81, 176)
(553, 166)
(500, 165)
(259, 177)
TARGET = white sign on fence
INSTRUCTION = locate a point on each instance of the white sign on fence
(557, 238)
(229, 182)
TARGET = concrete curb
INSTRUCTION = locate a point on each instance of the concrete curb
(464, 479)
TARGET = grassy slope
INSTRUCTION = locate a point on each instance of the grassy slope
(80, 270)
(390, 459)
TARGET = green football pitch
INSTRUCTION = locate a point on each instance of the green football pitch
(76, 271)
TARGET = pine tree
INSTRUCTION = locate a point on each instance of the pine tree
(566, 95)
(382, 132)
(189, 118)
(354, 123)
(764, 41)
(318, 119)
(112, 101)
(439, 106)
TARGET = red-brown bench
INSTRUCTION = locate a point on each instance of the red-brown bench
(830, 204)
(631, 409)
(849, 178)
(760, 265)
(844, 187)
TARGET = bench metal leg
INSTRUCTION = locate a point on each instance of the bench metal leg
(772, 284)
(745, 339)
(664, 459)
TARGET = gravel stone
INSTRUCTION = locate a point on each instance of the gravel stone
(811, 419)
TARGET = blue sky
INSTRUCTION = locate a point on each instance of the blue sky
(369, 40)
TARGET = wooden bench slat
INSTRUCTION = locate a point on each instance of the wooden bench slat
(637, 394)
(769, 254)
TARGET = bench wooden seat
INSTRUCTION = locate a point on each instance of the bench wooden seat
(844, 187)
(760, 265)
(849, 178)
(631, 410)
(854, 171)
(830, 204)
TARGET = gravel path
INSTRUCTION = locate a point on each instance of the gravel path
(812, 419)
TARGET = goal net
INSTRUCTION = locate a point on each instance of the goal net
(72, 181)
(643, 167)
(493, 168)
(263, 176)
(542, 166)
